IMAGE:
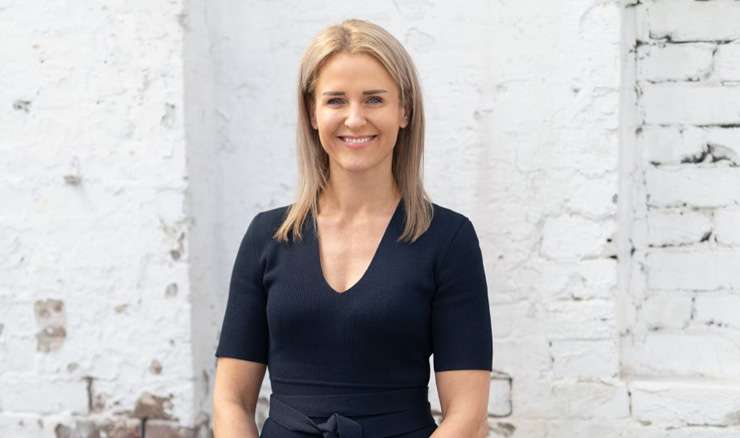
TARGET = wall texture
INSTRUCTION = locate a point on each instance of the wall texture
(680, 338)
(594, 144)
(95, 327)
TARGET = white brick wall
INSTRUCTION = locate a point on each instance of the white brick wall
(93, 229)
(680, 347)
(686, 404)
(594, 144)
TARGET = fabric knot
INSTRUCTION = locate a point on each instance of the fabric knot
(339, 426)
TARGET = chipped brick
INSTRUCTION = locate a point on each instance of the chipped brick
(50, 321)
(152, 406)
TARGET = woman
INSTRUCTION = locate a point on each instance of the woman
(348, 291)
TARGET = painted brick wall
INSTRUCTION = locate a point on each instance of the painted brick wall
(95, 332)
(594, 144)
(680, 338)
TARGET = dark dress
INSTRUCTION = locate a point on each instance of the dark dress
(356, 364)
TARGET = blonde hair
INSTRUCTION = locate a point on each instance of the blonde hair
(357, 36)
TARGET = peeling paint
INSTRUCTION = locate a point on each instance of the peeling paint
(152, 406)
(50, 321)
(120, 308)
(168, 118)
(62, 431)
(74, 177)
(171, 290)
(22, 105)
(177, 252)
(155, 367)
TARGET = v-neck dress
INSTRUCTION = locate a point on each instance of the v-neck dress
(355, 364)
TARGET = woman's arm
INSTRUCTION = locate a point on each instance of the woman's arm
(236, 388)
(463, 395)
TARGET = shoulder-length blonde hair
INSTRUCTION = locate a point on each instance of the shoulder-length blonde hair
(357, 36)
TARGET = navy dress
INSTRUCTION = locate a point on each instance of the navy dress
(355, 364)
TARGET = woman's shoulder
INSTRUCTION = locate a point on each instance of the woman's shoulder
(274, 215)
(447, 221)
(266, 222)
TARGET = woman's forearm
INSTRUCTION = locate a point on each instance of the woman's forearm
(231, 420)
(458, 427)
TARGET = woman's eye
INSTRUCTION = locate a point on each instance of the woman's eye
(337, 100)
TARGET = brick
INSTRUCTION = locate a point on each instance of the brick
(499, 397)
(719, 308)
(726, 229)
(520, 427)
(698, 353)
(668, 309)
(631, 428)
(675, 227)
(685, 403)
(570, 400)
(694, 186)
(580, 320)
(585, 428)
(727, 63)
(50, 322)
(585, 359)
(701, 432)
(522, 357)
(690, 144)
(671, 144)
(727, 138)
(686, 20)
(572, 237)
(710, 104)
(581, 280)
(169, 429)
(660, 62)
(593, 196)
(699, 269)
(38, 395)
(24, 425)
(515, 320)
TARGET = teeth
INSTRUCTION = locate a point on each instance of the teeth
(357, 140)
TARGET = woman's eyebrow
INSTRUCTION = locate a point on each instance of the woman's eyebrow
(341, 93)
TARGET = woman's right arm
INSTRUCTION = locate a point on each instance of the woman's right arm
(236, 388)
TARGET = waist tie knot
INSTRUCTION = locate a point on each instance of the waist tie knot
(378, 414)
(339, 426)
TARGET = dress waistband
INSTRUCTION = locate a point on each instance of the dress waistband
(377, 414)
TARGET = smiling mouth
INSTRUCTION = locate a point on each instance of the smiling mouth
(357, 140)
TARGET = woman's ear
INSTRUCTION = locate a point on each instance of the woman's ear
(404, 118)
(311, 113)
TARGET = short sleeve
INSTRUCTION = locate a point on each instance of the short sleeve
(244, 333)
(461, 322)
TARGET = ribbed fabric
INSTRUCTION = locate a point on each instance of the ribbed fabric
(414, 300)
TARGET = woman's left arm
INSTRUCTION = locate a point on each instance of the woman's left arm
(463, 395)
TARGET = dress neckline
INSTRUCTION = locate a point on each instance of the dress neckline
(316, 255)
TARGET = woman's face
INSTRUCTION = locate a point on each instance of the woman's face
(357, 112)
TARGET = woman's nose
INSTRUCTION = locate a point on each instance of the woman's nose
(355, 117)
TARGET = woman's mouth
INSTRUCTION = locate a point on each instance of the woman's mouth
(357, 142)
